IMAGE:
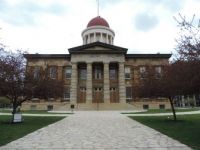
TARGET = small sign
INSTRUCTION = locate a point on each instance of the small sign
(17, 118)
(72, 106)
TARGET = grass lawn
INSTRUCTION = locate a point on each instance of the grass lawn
(186, 129)
(10, 132)
(153, 111)
(31, 111)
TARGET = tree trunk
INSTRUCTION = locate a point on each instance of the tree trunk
(172, 107)
(13, 112)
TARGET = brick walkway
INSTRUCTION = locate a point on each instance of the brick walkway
(93, 130)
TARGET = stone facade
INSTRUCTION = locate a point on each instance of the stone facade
(98, 92)
(97, 74)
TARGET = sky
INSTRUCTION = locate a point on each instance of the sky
(53, 26)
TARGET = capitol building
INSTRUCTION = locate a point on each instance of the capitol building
(97, 75)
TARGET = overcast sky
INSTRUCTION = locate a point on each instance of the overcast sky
(53, 26)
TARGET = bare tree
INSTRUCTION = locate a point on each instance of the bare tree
(188, 49)
(188, 43)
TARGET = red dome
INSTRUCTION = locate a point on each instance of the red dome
(98, 21)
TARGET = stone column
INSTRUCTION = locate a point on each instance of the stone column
(73, 89)
(101, 37)
(89, 39)
(106, 87)
(89, 83)
(112, 40)
(107, 41)
(122, 90)
(95, 37)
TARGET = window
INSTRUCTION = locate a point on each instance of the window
(82, 89)
(83, 73)
(128, 92)
(49, 107)
(36, 73)
(145, 106)
(33, 107)
(67, 93)
(113, 73)
(158, 72)
(68, 72)
(142, 72)
(97, 72)
(162, 106)
(53, 72)
(127, 72)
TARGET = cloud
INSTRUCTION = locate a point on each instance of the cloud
(145, 21)
(172, 6)
(104, 3)
(26, 12)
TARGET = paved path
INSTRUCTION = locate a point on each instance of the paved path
(164, 114)
(41, 115)
(93, 130)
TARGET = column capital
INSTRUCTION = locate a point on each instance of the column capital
(89, 63)
(106, 62)
(74, 63)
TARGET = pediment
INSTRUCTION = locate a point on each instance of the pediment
(97, 47)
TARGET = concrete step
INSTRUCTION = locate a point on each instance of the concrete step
(98, 106)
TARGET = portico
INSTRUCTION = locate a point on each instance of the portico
(97, 78)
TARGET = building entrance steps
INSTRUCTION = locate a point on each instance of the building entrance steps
(99, 106)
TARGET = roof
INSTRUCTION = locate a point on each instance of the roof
(112, 49)
(32, 56)
(148, 56)
(98, 21)
(79, 48)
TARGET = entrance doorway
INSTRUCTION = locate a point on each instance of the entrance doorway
(114, 95)
(97, 95)
(82, 95)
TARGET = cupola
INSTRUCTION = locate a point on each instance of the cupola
(98, 30)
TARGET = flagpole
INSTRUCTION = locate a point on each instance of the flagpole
(97, 7)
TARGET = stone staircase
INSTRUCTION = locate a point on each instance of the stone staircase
(97, 106)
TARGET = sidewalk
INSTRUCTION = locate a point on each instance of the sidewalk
(165, 114)
(96, 130)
